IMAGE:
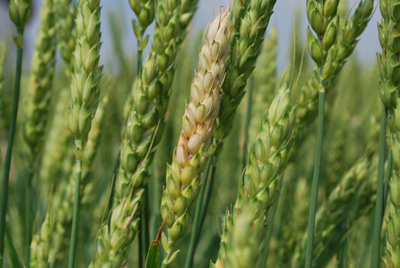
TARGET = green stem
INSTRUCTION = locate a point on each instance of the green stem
(14, 260)
(247, 122)
(192, 245)
(388, 174)
(112, 190)
(146, 220)
(144, 235)
(141, 239)
(143, 227)
(140, 246)
(28, 216)
(316, 176)
(270, 220)
(205, 203)
(342, 253)
(376, 237)
(7, 163)
(75, 215)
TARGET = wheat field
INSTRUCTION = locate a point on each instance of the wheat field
(159, 143)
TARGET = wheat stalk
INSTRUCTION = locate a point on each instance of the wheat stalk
(85, 93)
(52, 239)
(19, 11)
(37, 104)
(332, 212)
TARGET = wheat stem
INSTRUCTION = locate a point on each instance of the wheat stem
(74, 231)
(112, 187)
(75, 217)
(28, 215)
(376, 238)
(14, 260)
(316, 176)
(205, 203)
(196, 221)
(11, 135)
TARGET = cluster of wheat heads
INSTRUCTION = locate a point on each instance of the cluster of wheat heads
(248, 184)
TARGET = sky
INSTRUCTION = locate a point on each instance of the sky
(281, 19)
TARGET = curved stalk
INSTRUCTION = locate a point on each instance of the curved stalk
(196, 221)
(74, 230)
(316, 176)
(7, 161)
(205, 203)
(28, 216)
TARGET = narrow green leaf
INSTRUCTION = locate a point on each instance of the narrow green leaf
(153, 255)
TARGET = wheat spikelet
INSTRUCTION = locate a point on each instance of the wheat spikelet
(66, 13)
(267, 159)
(150, 96)
(345, 42)
(250, 21)
(41, 78)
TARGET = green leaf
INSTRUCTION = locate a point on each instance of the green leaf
(153, 255)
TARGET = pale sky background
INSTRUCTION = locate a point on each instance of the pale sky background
(282, 19)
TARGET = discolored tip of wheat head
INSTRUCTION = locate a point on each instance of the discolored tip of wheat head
(200, 113)
(197, 127)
